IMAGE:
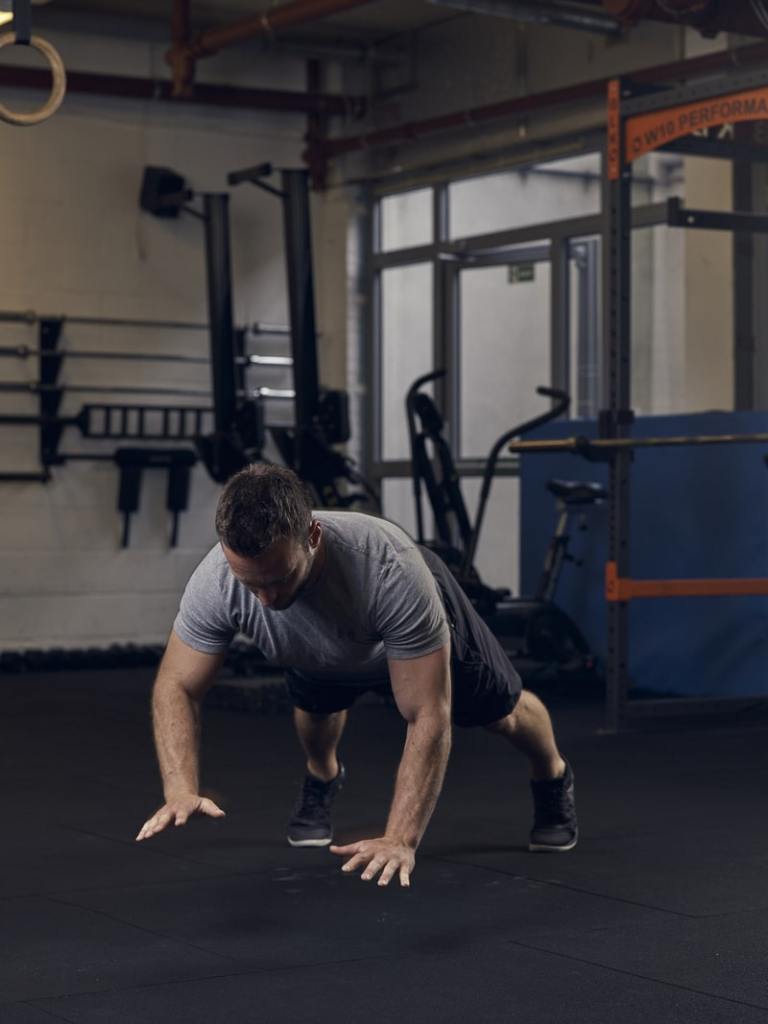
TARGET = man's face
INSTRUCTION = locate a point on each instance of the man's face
(279, 574)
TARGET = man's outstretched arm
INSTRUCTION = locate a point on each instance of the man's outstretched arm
(184, 677)
(422, 690)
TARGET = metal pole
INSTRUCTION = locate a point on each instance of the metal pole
(560, 319)
(54, 390)
(301, 297)
(49, 335)
(29, 316)
(216, 211)
(616, 417)
(539, 14)
(25, 352)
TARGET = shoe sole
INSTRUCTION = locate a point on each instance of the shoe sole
(309, 842)
(539, 848)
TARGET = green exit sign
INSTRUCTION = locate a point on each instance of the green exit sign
(519, 273)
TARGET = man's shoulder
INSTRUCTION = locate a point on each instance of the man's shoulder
(368, 534)
(211, 570)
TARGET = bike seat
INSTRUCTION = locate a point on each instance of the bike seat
(576, 492)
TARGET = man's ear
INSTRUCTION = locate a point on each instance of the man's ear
(315, 532)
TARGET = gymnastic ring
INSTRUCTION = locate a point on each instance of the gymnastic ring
(58, 88)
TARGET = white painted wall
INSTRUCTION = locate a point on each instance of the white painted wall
(709, 325)
(72, 241)
(709, 364)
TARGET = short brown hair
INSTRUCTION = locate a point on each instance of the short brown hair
(260, 505)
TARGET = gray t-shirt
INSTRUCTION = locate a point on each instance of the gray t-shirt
(374, 599)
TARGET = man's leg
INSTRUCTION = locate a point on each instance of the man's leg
(485, 685)
(319, 736)
(529, 729)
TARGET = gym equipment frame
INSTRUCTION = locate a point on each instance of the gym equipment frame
(639, 122)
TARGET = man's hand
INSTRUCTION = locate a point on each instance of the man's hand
(179, 810)
(385, 855)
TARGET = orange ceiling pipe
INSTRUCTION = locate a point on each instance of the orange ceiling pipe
(184, 53)
(182, 66)
(273, 20)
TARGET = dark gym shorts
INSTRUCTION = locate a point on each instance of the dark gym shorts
(485, 686)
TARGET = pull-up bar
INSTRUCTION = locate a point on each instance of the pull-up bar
(586, 445)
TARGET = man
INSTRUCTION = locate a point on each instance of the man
(347, 602)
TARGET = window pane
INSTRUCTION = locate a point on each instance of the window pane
(536, 195)
(406, 341)
(504, 351)
(498, 552)
(658, 320)
(398, 505)
(406, 219)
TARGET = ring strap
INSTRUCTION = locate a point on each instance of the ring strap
(22, 21)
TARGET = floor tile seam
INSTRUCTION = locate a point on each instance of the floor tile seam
(132, 844)
(145, 931)
(732, 913)
(136, 885)
(634, 974)
(56, 893)
(150, 850)
(40, 1009)
(562, 885)
(244, 973)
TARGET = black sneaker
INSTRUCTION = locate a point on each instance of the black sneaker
(555, 828)
(311, 821)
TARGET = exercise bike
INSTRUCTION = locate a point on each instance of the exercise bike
(543, 642)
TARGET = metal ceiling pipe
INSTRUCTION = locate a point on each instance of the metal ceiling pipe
(180, 21)
(567, 16)
(710, 63)
(128, 87)
(750, 17)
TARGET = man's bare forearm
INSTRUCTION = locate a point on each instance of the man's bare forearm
(176, 721)
(419, 779)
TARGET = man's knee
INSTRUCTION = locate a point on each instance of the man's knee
(504, 726)
(510, 722)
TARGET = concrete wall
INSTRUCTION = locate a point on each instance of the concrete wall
(72, 241)
(468, 61)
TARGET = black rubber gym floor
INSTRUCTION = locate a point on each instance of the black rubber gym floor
(660, 914)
